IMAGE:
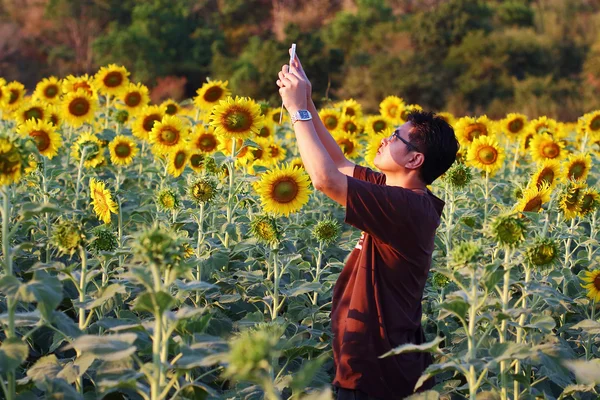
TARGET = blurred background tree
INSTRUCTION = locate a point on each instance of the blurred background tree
(464, 56)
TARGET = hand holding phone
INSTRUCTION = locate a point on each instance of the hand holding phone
(292, 55)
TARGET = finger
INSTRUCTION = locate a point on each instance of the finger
(292, 77)
(286, 81)
(279, 83)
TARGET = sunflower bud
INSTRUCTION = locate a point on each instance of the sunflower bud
(67, 237)
(104, 240)
(508, 230)
(467, 253)
(251, 353)
(458, 176)
(210, 165)
(326, 231)
(167, 199)
(122, 116)
(469, 221)
(202, 189)
(265, 229)
(590, 200)
(439, 280)
(160, 246)
(543, 252)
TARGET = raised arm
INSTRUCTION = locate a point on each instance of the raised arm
(343, 165)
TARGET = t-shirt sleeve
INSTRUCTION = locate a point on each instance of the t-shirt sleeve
(382, 211)
(368, 175)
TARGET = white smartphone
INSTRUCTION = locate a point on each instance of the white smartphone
(292, 55)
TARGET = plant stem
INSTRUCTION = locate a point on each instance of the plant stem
(521, 331)
(47, 215)
(198, 245)
(472, 349)
(107, 109)
(231, 167)
(503, 326)
(79, 173)
(11, 302)
(318, 273)
(82, 286)
(487, 196)
(588, 345)
(276, 278)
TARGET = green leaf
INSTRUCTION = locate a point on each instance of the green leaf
(588, 326)
(456, 307)
(43, 289)
(571, 389)
(107, 348)
(9, 285)
(301, 287)
(106, 295)
(13, 352)
(435, 369)
(429, 347)
(29, 210)
(148, 300)
(493, 279)
(544, 323)
(46, 368)
(22, 319)
(586, 372)
(75, 369)
(427, 395)
(194, 286)
(509, 351)
(303, 378)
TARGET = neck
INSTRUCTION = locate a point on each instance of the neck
(410, 181)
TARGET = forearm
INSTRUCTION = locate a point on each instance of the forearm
(331, 146)
(317, 161)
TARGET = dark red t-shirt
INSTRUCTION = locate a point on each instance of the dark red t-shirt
(376, 303)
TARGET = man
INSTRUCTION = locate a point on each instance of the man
(376, 303)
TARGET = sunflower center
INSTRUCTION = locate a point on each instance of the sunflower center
(378, 126)
(10, 162)
(264, 132)
(54, 119)
(113, 79)
(528, 139)
(547, 175)
(149, 121)
(487, 155)
(273, 151)
(14, 96)
(550, 150)
(51, 91)
(82, 85)
(350, 111)
(572, 199)
(393, 110)
(42, 140)
(213, 94)
(207, 143)
(347, 146)
(475, 130)
(79, 107)
(179, 160)
(133, 99)
(331, 122)
(169, 136)
(34, 113)
(515, 125)
(540, 127)
(597, 282)
(576, 171)
(350, 127)
(238, 120)
(258, 153)
(404, 115)
(123, 150)
(197, 160)
(171, 109)
(587, 203)
(285, 190)
(533, 205)
(595, 123)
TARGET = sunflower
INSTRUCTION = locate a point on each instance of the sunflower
(297, 163)
(171, 107)
(590, 123)
(102, 200)
(94, 152)
(351, 108)
(348, 143)
(590, 200)
(48, 90)
(122, 150)
(54, 116)
(542, 147)
(134, 98)
(543, 252)
(15, 93)
(211, 93)
(391, 107)
(533, 198)
(350, 125)
(469, 128)
(111, 80)
(44, 134)
(544, 124)
(273, 116)
(377, 123)
(569, 201)
(407, 110)
(261, 155)
(243, 154)
(168, 133)
(373, 144)
(485, 154)
(448, 117)
(592, 280)
(268, 129)
(276, 152)
(204, 139)
(12, 161)
(78, 108)
(513, 125)
(31, 111)
(145, 121)
(197, 161)
(74, 83)
(548, 173)
(177, 160)
(578, 166)
(283, 190)
(239, 117)
(330, 117)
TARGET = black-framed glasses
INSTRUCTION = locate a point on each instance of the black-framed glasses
(408, 144)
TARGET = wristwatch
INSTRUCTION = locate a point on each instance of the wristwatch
(301, 115)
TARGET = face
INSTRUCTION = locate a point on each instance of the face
(396, 153)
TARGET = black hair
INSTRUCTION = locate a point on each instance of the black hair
(436, 140)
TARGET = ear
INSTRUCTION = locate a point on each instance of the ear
(416, 160)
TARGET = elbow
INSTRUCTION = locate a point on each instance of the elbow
(320, 184)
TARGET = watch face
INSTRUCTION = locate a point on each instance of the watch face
(303, 114)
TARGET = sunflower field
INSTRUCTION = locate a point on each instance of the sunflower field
(178, 250)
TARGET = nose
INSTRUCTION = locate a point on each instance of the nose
(384, 141)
